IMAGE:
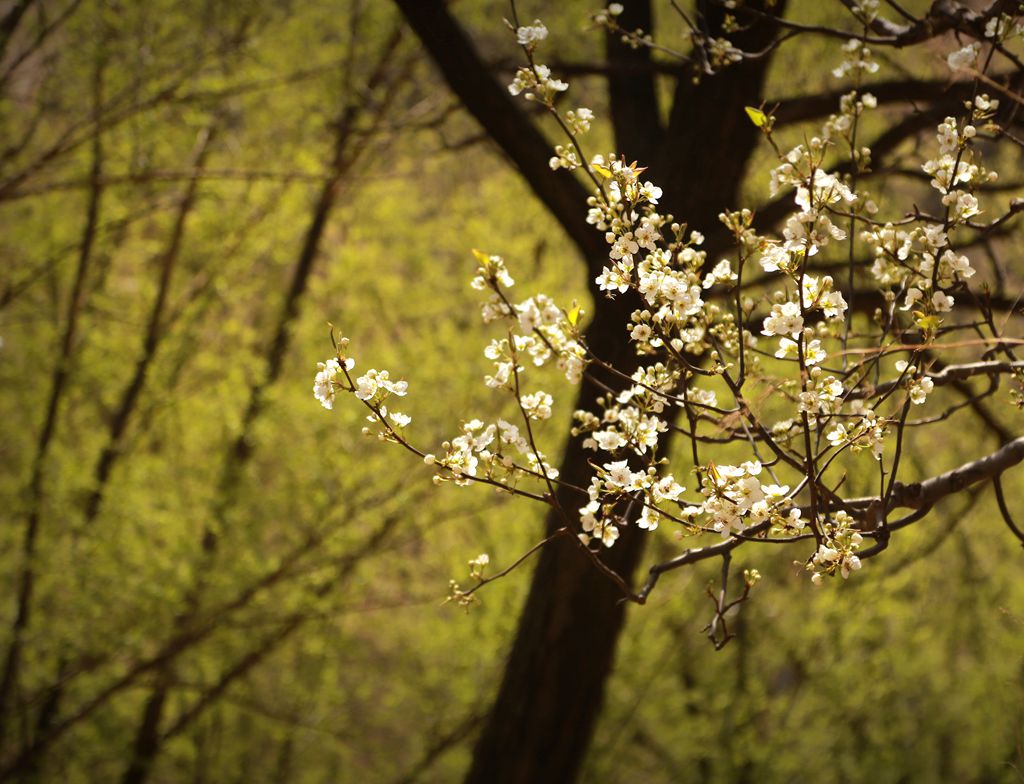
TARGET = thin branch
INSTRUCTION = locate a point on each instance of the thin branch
(1004, 510)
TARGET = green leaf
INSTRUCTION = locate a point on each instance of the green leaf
(759, 118)
(574, 314)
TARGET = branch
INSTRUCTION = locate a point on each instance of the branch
(61, 379)
(9, 23)
(641, 68)
(924, 494)
(1004, 510)
(695, 555)
(919, 496)
(467, 76)
(947, 375)
(800, 108)
(943, 16)
(771, 213)
(112, 450)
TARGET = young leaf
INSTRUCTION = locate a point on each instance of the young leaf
(759, 118)
(574, 313)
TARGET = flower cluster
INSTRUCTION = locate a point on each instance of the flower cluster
(498, 452)
(1003, 27)
(735, 500)
(530, 35)
(327, 380)
(866, 431)
(536, 84)
(616, 490)
(919, 261)
(376, 385)
(721, 53)
(323, 384)
(858, 61)
(538, 329)
(837, 552)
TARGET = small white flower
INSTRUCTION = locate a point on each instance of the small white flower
(814, 354)
(965, 58)
(641, 333)
(962, 204)
(722, 273)
(788, 349)
(323, 384)
(913, 295)
(607, 533)
(838, 436)
(919, 390)
(366, 387)
(650, 192)
(530, 35)
(850, 563)
(537, 405)
(618, 474)
(609, 440)
(784, 320)
(942, 302)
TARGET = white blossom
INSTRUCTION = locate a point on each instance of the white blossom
(323, 384)
(965, 58)
(531, 35)
(537, 405)
(785, 319)
(920, 389)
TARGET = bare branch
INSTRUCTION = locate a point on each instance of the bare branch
(1004, 510)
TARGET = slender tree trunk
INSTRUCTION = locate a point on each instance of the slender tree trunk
(149, 740)
(147, 737)
(9, 23)
(9, 673)
(148, 734)
(131, 393)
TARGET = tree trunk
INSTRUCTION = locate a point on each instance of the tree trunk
(551, 694)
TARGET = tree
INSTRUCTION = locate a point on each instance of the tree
(542, 719)
(151, 138)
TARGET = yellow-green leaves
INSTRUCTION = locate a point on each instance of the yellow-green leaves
(574, 313)
(759, 118)
(928, 324)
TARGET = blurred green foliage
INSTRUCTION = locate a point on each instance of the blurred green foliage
(321, 603)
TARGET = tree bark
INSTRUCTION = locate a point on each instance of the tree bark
(9, 673)
(552, 690)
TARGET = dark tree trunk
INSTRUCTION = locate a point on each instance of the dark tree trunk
(552, 690)
(147, 738)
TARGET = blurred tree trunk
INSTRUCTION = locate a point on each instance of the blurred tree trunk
(148, 741)
(542, 720)
(9, 673)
